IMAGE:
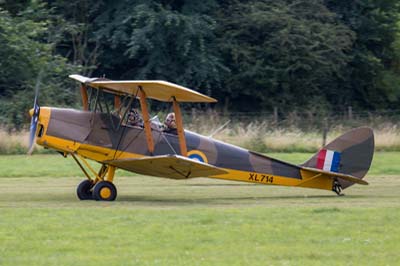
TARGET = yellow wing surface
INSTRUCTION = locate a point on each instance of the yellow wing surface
(154, 89)
(170, 166)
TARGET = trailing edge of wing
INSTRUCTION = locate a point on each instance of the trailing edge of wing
(339, 175)
(170, 166)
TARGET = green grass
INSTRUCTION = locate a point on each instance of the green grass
(158, 221)
(48, 165)
(54, 165)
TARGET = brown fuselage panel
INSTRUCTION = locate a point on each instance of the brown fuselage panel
(103, 130)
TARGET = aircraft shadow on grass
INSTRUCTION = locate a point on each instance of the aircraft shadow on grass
(215, 200)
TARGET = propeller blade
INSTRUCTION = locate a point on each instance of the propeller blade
(35, 116)
(33, 127)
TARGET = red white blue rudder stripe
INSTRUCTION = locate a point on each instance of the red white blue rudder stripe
(328, 160)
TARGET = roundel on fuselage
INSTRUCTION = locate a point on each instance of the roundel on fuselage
(197, 156)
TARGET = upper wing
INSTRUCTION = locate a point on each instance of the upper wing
(154, 89)
(171, 166)
(334, 174)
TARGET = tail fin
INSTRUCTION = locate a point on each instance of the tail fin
(349, 154)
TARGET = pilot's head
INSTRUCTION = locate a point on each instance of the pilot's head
(133, 116)
(170, 120)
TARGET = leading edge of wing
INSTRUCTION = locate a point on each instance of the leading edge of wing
(170, 166)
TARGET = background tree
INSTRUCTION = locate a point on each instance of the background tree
(286, 53)
(317, 55)
(169, 40)
(25, 53)
(371, 77)
(74, 31)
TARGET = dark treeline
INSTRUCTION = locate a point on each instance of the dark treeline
(321, 55)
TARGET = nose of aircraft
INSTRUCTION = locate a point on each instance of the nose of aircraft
(31, 112)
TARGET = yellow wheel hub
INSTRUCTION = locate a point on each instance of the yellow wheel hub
(105, 192)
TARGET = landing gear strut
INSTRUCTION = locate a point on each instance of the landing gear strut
(337, 188)
(98, 188)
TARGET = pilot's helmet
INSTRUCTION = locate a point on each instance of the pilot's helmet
(170, 120)
(133, 116)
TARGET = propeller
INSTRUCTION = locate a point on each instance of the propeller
(35, 116)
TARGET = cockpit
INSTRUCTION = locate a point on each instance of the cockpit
(124, 105)
(124, 111)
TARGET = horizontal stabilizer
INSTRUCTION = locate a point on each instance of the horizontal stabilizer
(170, 166)
(349, 178)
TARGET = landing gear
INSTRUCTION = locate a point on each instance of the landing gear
(83, 190)
(104, 190)
(98, 188)
(337, 188)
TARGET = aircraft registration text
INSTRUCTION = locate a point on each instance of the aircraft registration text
(261, 178)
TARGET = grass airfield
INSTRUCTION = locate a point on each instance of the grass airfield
(159, 221)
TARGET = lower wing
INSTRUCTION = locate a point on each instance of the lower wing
(170, 166)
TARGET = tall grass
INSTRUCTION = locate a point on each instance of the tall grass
(293, 136)
(13, 143)
(262, 136)
(17, 143)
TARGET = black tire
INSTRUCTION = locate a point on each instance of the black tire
(83, 190)
(105, 191)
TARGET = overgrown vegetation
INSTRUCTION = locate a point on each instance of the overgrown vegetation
(296, 132)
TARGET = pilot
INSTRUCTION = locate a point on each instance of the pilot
(134, 118)
(170, 124)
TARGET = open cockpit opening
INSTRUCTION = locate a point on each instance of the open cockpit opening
(119, 110)
(125, 110)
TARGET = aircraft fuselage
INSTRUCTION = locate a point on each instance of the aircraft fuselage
(97, 136)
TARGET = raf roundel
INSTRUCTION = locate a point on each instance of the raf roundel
(197, 155)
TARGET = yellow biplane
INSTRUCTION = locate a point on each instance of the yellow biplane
(102, 132)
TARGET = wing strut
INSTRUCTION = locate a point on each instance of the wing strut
(146, 119)
(84, 94)
(179, 127)
(117, 102)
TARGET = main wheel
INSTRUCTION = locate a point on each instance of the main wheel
(104, 190)
(83, 190)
